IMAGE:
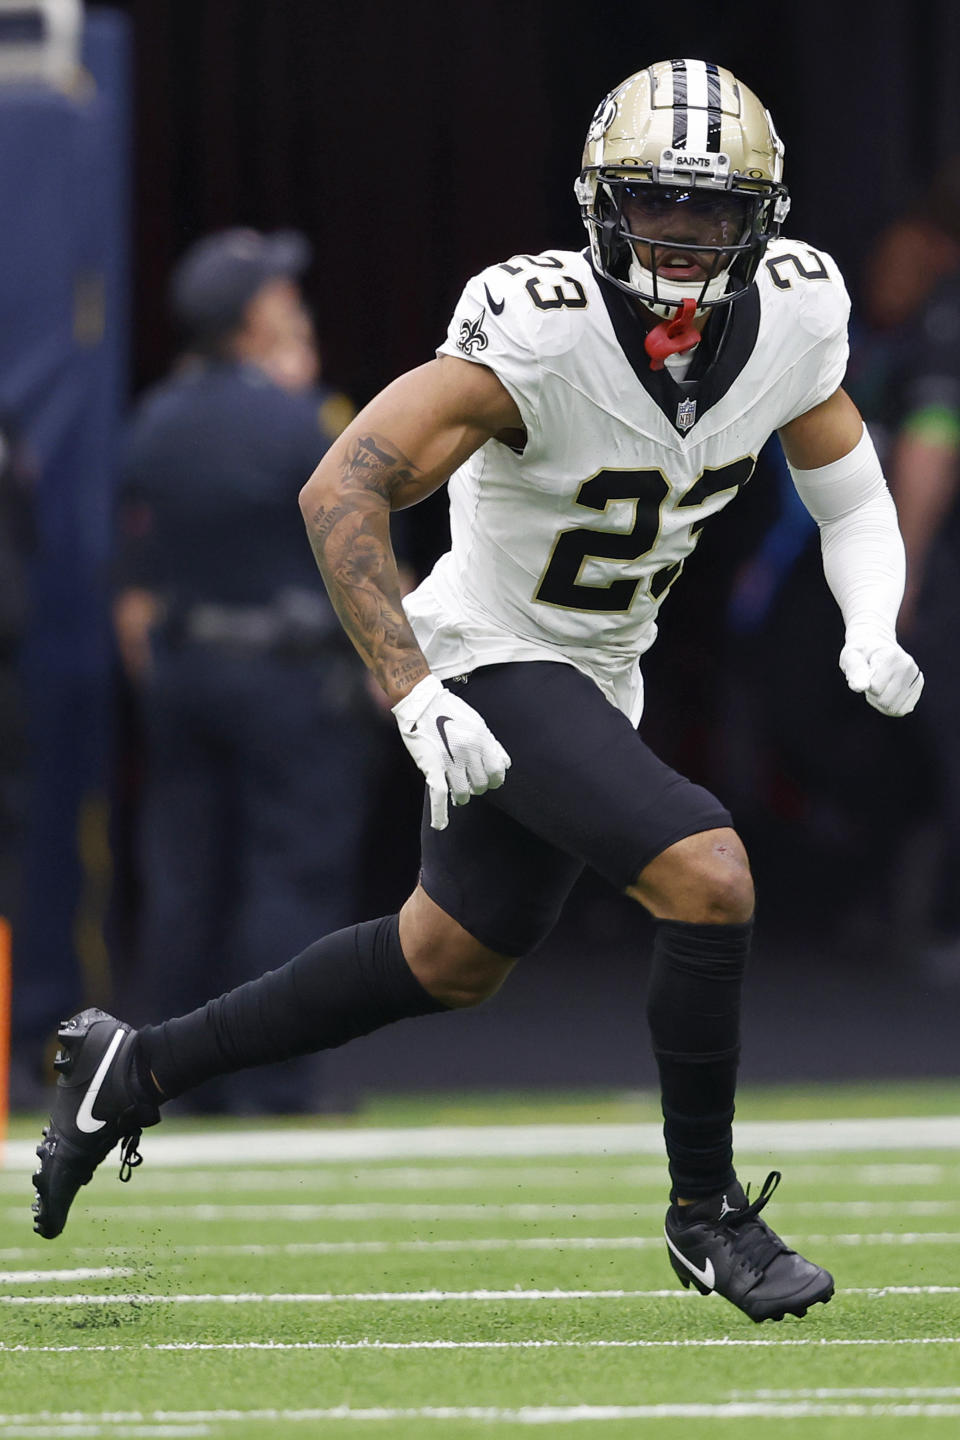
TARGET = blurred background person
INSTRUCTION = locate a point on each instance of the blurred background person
(925, 480)
(17, 547)
(256, 727)
(805, 775)
(910, 256)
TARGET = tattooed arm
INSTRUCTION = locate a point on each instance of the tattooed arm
(404, 445)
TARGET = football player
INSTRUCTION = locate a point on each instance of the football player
(591, 411)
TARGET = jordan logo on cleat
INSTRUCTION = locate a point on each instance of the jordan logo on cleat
(726, 1208)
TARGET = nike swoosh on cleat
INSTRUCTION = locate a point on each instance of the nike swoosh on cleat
(442, 722)
(495, 305)
(85, 1118)
(706, 1276)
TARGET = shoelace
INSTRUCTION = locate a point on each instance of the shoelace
(755, 1241)
(130, 1156)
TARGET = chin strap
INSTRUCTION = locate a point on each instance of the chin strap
(672, 337)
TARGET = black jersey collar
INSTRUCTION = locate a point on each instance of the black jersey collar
(727, 345)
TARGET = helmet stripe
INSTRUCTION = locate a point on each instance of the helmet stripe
(697, 99)
(679, 68)
(713, 108)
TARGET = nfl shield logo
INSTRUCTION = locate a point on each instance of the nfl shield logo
(686, 414)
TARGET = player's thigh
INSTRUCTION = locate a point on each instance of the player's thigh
(497, 879)
(582, 780)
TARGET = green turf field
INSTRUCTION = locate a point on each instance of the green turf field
(479, 1267)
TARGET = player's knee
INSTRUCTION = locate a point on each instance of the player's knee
(462, 989)
(704, 880)
(449, 963)
(726, 897)
(707, 896)
(459, 976)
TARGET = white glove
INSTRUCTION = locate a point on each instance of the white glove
(451, 744)
(885, 674)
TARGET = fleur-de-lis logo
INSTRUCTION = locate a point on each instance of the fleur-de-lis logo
(603, 117)
(471, 334)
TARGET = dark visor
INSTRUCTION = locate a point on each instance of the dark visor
(720, 216)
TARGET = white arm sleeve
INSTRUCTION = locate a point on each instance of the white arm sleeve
(863, 556)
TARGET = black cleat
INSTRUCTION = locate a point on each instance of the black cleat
(720, 1244)
(98, 1101)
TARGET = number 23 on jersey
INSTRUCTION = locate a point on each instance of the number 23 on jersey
(561, 584)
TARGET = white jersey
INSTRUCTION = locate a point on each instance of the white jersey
(564, 551)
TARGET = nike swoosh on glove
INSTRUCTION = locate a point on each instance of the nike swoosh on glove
(884, 673)
(451, 744)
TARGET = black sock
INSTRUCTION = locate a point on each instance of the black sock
(345, 985)
(694, 1012)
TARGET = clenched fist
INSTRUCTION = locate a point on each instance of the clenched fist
(883, 673)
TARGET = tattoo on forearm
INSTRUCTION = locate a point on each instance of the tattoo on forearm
(375, 464)
(351, 543)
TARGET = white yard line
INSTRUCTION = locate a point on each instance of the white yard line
(310, 1345)
(89, 1431)
(522, 1415)
(462, 1177)
(39, 1277)
(764, 1137)
(431, 1297)
(855, 1392)
(376, 1210)
(389, 1297)
(373, 1211)
(388, 1177)
(883, 1237)
(474, 1243)
(414, 1247)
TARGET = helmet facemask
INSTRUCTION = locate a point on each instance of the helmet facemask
(723, 232)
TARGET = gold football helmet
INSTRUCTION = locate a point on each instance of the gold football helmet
(686, 152)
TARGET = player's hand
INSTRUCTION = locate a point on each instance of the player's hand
(452, 746)
(883, 673)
